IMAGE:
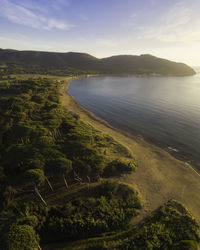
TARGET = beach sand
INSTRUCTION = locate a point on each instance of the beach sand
(159, 177)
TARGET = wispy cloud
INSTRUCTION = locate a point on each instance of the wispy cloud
(179, 24)
(32, 15)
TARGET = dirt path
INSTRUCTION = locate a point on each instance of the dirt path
(159, 177)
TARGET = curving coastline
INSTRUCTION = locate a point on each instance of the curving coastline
(160, 176)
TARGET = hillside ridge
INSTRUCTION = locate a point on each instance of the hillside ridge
(28, 61)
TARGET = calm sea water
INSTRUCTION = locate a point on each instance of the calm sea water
(163, 110)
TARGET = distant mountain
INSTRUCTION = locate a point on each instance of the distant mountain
(147, 64)
(71, 62)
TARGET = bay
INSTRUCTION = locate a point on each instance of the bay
(163, 110)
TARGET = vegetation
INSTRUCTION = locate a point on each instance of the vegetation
(108, 206)
(21, 62)
(43, 146)
(170, 227)
(119, 166)
(21, 237)
(54, 184)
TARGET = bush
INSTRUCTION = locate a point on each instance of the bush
(118, 167)
(21, 237)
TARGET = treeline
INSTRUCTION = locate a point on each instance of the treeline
(20, 68)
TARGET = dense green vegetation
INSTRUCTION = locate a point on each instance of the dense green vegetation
(89, 212)
(38, 136)
(108, 206)
(43, 146)
(21, 62)
(55, 186)
(169, 227)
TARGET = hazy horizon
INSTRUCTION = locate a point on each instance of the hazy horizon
(167, 29)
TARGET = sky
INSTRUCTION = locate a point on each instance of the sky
(164, 28)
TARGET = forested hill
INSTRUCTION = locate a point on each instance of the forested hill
(13, 61)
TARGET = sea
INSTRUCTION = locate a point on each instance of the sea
(164, 110)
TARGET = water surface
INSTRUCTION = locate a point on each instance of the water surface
(163, 110)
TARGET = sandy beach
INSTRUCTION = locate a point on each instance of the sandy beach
(159, 177)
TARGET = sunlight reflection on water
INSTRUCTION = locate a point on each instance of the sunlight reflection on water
(165, 110)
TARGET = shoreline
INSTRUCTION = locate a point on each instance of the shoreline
(159, 177)
(178, 151)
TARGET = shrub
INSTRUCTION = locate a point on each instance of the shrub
(21, 237)
(118, 167)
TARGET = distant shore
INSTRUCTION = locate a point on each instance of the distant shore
(159, 177)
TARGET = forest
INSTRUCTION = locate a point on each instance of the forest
(59, 180)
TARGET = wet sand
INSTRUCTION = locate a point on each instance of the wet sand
(159, 177)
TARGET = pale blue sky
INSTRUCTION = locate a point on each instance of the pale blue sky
(164, 28)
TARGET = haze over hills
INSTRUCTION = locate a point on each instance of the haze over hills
(65, 63)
